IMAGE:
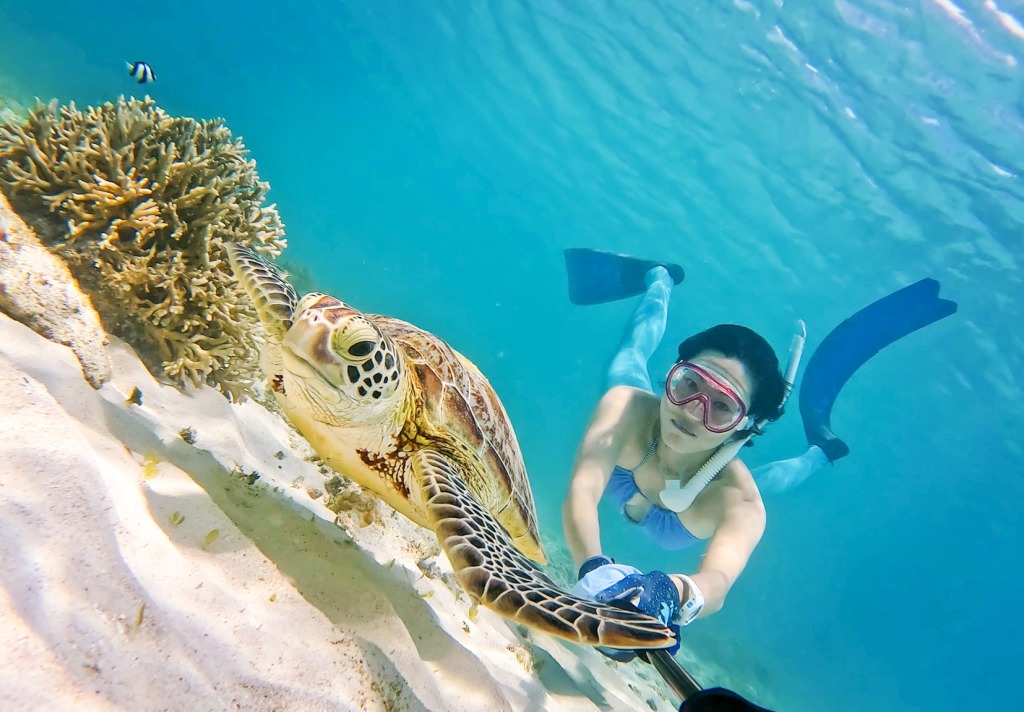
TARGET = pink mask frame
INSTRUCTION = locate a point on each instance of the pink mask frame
(709, 385)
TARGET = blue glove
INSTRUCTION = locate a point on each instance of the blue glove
(628, 587)
(592, 563)
(598, 578)
(597, 574)
(653, 594)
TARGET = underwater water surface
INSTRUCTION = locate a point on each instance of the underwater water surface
(431, 160)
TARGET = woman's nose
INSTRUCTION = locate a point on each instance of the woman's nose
(693, 408)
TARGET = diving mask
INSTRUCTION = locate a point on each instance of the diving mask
(724, 409)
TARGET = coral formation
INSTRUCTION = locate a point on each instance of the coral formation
(37, 289)
(141, 204)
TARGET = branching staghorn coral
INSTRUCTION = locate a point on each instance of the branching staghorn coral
(141, 204)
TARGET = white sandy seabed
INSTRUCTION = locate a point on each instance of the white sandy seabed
(141, 572)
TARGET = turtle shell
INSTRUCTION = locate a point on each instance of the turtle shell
(455, 410)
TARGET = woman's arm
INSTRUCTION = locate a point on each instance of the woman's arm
(736, 536)
(595, 459)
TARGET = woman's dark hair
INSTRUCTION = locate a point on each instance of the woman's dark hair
(749, 348)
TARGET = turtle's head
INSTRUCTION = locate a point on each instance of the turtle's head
(340, 359)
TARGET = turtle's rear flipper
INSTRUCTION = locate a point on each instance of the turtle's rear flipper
(496, 574)
(596, 276)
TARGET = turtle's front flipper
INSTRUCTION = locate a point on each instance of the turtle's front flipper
(497, 575)
(267, 286)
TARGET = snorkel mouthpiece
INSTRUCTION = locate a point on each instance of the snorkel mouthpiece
(676, 497)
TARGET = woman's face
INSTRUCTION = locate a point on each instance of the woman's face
(682, 427)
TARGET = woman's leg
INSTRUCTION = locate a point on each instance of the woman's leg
(643, 334)
(786, 475)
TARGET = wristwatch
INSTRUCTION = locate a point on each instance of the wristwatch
(691, 602)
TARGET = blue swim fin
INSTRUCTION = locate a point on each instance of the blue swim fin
(596, 277)
(852, 343)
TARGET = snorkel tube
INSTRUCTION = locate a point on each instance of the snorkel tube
(679, 498)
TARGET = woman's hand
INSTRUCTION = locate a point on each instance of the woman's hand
(654, 594)
(618, 584)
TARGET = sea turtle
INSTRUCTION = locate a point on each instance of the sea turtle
(399, 411)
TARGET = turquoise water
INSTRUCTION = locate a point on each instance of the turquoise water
(432, 159)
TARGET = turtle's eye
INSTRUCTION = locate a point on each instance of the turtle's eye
(361, 348)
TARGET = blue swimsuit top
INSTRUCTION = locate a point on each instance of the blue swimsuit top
(661, 524)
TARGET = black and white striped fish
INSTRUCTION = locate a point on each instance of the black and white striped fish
(141, 72)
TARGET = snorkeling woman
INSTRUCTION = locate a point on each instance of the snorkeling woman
(668, 460)
(641, 449)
